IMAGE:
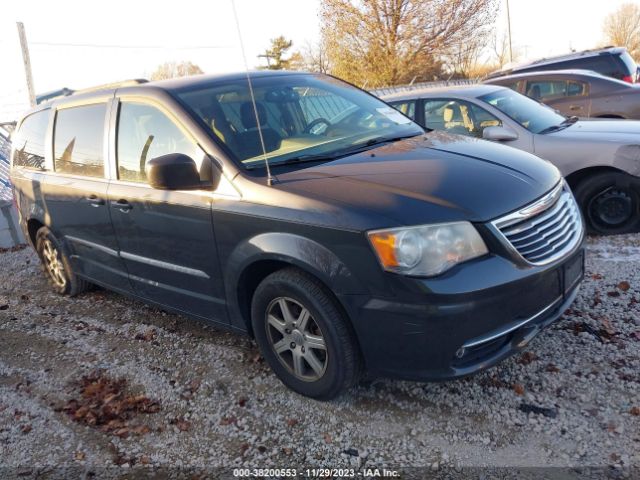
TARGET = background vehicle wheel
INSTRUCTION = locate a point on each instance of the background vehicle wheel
(610, 203)
(56, 265)
(304, 336)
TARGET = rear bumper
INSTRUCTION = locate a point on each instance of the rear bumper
(453, 328)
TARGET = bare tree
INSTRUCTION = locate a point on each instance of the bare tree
(622, 28)
(463, 58)
(315, 58)
(175, 69)
(385, 42)
(500, 48)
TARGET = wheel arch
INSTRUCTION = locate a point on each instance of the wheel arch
(575, 178)
(255, 259)
(33, 225)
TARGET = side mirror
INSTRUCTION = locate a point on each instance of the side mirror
(500, 134)
(176, 171)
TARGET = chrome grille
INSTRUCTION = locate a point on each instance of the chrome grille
(545, 230)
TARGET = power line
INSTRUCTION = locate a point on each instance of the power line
(166, 47)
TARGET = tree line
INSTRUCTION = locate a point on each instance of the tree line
(375, 43)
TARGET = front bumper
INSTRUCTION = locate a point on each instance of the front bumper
(468, 320)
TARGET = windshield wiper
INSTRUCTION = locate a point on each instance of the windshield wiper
(351, 150)
(554, 128)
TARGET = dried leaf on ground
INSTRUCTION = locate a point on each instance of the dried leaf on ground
(624, 286)
(103, 403)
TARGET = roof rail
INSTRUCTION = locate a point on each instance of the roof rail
(108, 86)
(65, 92)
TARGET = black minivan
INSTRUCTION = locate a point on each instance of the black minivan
(305, 212)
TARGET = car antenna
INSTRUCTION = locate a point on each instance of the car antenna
(270, 179)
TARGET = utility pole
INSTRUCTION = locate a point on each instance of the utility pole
(27, 63)
(509, 23)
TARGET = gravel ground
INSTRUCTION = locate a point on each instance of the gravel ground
(571, 400)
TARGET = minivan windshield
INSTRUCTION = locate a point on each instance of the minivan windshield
(300, 117)
(533, 116)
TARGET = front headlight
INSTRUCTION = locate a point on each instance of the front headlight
(426, 250)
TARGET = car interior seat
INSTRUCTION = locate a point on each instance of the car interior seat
(453, 120)
(249, 141)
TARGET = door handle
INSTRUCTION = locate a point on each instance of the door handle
(122, 205)
(94, 200)
(575, 107)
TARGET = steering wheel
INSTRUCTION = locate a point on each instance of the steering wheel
(315, 123)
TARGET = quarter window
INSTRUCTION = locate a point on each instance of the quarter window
(144, 132)
(79, 140)
(29, 142)
(408, 108)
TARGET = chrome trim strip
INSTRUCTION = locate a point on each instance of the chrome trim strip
(533, 209)
(97, 246)
(564, 199)
(138, 258)
(161, 264)
(496, 334)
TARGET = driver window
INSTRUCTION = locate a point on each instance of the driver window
(458, 117)
(144, 132)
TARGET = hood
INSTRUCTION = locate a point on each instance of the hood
(428, 179)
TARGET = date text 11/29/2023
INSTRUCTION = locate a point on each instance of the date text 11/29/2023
(314, 473)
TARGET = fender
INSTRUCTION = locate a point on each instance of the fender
(296, 250)
(627, 158)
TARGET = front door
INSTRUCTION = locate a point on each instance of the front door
(165, 238)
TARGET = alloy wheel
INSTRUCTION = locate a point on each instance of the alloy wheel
(296, 339)
(53, 263)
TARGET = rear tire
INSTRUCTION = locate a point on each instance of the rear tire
(304, 336)
(56, 265)
(610, 203)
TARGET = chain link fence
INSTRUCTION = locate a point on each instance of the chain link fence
(5, 150)
(418, 86)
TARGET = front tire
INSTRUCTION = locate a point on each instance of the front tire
(56, 265)
(304, 336)
(610, 203)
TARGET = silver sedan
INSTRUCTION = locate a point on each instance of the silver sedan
(599, 158)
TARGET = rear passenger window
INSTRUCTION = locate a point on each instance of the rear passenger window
(546, 89)
(145, 133)
(79, 140)
(576, 89)
(29, 141)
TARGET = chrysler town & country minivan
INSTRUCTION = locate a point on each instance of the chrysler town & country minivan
(304, 212)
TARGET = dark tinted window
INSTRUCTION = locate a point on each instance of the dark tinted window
(79, 139)
(603, 64)
(144, 133)
(629, 65)
(29, 142)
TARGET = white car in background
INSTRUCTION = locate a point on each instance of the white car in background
(600, 159)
